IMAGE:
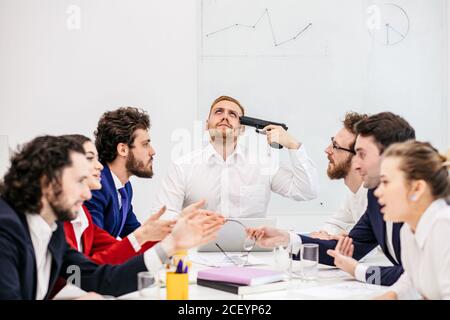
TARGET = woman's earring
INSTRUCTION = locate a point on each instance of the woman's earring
(413, 197)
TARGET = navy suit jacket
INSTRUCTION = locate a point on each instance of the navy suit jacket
(368, 233)
(18, 274)
(105, 211)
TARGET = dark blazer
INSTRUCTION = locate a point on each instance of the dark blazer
(18, 274)
(105, 211)
(368, 233)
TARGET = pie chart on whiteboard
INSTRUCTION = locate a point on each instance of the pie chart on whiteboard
(388, 23)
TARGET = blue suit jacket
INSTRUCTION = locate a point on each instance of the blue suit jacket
(368, 233)
(105, 211)
(18, 272)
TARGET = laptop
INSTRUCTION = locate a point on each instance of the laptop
(232, 235)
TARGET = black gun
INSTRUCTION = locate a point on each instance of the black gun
(261, 124)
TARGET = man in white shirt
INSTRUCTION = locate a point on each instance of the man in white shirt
(46, 185)
(229, 177)
(340, 155)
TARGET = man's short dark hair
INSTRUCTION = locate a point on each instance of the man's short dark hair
(386, 128)
(37, 164)
(116, 127)
(350, 121)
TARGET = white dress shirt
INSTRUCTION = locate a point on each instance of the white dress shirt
(354, 206)
(41, 233)
(80, 224)
(426, 256)
(118, 184)
(241, 186)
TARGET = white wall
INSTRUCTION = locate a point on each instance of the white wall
(334, 67)
(128, 52)
(147, 53)
(448, 75)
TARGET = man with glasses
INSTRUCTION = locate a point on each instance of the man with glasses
(340, 154)
(374, 135)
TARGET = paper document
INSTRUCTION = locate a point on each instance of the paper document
(332, 274)
(344, 290)
(218, 259)
(70, 292)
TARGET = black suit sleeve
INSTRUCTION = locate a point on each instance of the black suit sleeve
(385, 276)
(363, 239)
(104, 279)
(9, 269)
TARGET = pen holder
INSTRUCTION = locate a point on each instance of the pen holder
(177, 286)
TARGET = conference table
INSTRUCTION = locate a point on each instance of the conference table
(330, 283)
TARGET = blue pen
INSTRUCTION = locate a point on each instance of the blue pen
(186, 270)
(179, 267)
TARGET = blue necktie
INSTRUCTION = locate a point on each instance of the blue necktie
(124, 209)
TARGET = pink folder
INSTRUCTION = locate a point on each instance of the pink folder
(241, 275)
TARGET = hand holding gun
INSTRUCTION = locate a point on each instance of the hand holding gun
(260, 125)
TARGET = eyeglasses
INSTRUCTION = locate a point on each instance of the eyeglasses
(248, 246)
(337, 147)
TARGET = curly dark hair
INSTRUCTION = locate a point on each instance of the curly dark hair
(116, 127)
(351, 119)
(35, 165)
(386, 128)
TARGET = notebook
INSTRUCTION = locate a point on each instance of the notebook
(240, 289)
(241, 275)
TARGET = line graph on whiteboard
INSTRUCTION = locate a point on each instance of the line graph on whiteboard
(232, 28)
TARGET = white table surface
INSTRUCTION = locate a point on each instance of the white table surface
(293, 292)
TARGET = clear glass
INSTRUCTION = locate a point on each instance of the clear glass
(249, 244)
(281, 256)
(309, 258)
(146, 283)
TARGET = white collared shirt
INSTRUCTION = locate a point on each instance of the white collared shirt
(241, 186)
(426, 256)
(80, 224)
(354, 206)
(41, 233)
(118, 185)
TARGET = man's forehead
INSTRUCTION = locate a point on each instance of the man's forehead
(80, 165)
(344, 135)
(228, 105)
(142, 134)
(365, 142)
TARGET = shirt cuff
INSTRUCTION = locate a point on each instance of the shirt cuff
(152, 260)
(295, 241)
(134, 243)
(360, 272)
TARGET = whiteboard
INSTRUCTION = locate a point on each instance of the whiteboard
(307, 62)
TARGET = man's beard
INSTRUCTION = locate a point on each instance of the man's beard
(339, 171)
(57, 203)
(224, 136)
(138, 168)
